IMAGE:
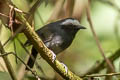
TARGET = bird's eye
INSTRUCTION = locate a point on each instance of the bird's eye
(67, 27)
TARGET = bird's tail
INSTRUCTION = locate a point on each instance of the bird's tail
(32, 58)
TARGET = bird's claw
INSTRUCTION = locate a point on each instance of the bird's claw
(53, 59)
(53, 56)
(66, 69)
(38, 78)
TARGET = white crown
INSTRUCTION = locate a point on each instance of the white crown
(70, 21)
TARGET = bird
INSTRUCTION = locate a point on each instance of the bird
(57, 36)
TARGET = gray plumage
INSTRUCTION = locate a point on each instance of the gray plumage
(57, 36)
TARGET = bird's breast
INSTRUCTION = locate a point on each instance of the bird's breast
(55, 44)
(59, 43)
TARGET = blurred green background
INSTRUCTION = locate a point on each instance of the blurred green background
(83, 53)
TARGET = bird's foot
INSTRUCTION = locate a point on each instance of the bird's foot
(53, 56)
(65, 67)
(37, 77)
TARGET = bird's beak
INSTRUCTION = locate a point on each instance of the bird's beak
(80, 27)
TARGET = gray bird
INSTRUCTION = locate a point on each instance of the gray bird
(57, 36)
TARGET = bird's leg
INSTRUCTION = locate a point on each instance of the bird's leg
(53, 59)
(66, 69)
(53, 56)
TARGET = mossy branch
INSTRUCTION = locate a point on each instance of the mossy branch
(45, 52)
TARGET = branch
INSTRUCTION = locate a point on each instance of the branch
(8, 64)
(69, 8)
(27, 66)
(102, 75)
(36, 63)
(96, 38)
(97, 67)
(45, 52)
(20, 27)
(5, 54)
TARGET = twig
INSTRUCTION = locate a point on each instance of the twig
(23, 72)
(102, 75)
(5, 54)
(39, 68)
(31, 11)
(8, 64)
(6, 42)
(20, 42)
(14, 44)
(29, 54)
(26, 65)
(4, 15)
(99, 66)
(38, 2)
(69, 8)
(12, 37)
(96, 38)
(11, 18)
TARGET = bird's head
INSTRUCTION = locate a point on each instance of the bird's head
(71, 25)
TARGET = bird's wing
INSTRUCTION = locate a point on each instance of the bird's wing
(55, 43)
(51, 38)
(45, 33)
